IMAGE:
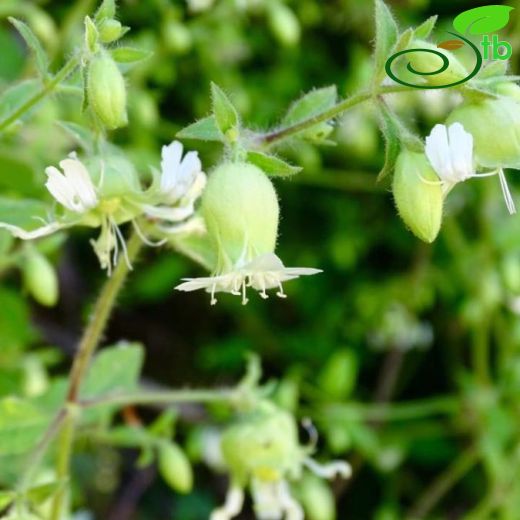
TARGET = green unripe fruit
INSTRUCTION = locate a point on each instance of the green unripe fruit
(263, 444)
(40, 279)
(241, 212)
(175, 467)
(494, 124)
(106, 91)
(316, 498)
(422, 61)
(418, 195)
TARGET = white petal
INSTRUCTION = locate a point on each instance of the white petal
(35, 233)
(461, 151)
(232, 506)
(78, 175)
(170, 164)
(438, 152)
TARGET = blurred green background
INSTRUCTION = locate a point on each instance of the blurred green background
(390, 321)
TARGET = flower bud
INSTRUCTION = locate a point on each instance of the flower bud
(106, 91)
(263, 444)
(418, 195)
(175, 467)
(40, 279)
(425, 61)
(316, 498)
(283, 24)
(110, 30)
(241, 211)
(494, 124)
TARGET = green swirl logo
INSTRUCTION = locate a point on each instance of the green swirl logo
(477, 21)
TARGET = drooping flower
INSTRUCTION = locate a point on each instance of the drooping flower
(105, 192)
(449, 150)
(264, 455)
(241, 212)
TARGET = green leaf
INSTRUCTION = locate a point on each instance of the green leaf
(225, 113)
(106, 10)
(482, 20)
(391, 135)
(423, 31)
(404, 41)
(493, 68)
(272, 165)
(129, 54)
(81, 135)
(91, 35)
(205, 129)
(24, 213)
(115, 369)
(14, 97)
(21, 426)
(6, 497)
(42, 62)
(310, 104)
(41, 493)
(386, 37)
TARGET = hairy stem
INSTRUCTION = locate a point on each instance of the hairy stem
(275, 136)
(46, 89)
(87, 347)
(100, 316)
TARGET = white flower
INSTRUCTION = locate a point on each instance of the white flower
(273, 500)
(263, 272)
(73, 188)
(180, 184)
(450, 152)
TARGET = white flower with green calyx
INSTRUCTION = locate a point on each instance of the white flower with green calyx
(106, 192)
(263, 454)
(241, 212)
(449, 150)
(176, 188)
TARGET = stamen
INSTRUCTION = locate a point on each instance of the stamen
(263, 294)
(146, 240)
(280, 292)
(311, 430)
(236, 286)
(123, 244)
(244, 297)
(213, 299)
(510, 204)
(330, 470)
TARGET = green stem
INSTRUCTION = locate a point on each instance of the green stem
(443, 484)
(47, 88)
(66, 439)
(101, 313)
(87, 347)
(401, 411)
(163, 397)
(271, 138)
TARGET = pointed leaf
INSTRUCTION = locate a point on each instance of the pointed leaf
(386, 37)
(21, 426)
(404, 40)
(15, 96)
(114, 369)
(272, 165)
(106, 10)
(423, 31)
(42, 62)
(41, 493)
(311, 104)
(482, 20)
(129, 54)
(225, 113)
(390, 131)
(205, 129)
